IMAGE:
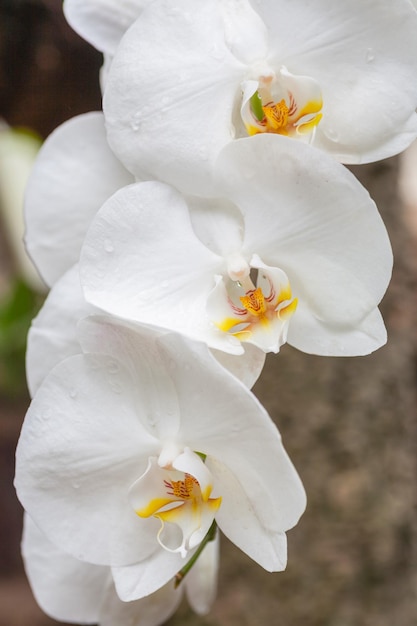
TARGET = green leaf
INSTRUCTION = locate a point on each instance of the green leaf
(16, 313)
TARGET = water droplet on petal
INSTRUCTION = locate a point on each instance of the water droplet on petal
(113, 367)
(136, 121)
(108, 245)
(248, 173)
(115, 387)
(370, 55)
(73, 393)
(151, 419)
(166, 102)
(218, 52)
(46, 415)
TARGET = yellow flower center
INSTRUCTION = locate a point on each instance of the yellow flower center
(276, 116)
(184, 489)
(179, 499)
(254, 302)
(285, 104)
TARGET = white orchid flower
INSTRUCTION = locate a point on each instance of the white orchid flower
(189, 77)
(311, 234)
(74, 173)
(73, 591)
(53, 336)
(130, 451)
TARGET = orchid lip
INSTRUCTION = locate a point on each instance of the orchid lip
(284, 104)
(179, 496)
(255, 308)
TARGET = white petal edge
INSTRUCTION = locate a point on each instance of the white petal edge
(153, 129)
(201, 582)
(139, 580)
(152, 610)
(82, 445)
(66, 589)
(52, 336)
(142, 261)
(102, 22)
(58, 212)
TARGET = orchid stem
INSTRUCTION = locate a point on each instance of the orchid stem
(211, 534)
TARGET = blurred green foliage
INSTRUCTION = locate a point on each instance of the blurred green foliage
(17, 310)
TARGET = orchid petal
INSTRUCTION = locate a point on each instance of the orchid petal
(149, 493)
(251, 121)
(271, 488)
(201, 583)
(304, 89)
(70, 590)
(141, 579)
(328, 238)
(261, 539)
(85, 419)
(243, 432)
(348, 48)
(53, 334)
(57, 212)
(220, 310)
(218, 224)
(246, 367)
(104, 72)
(186, 121)
(66, 589)
(124, 270)
(245, 33)
(311, 335)
(128, 345)
(151, 610)
(102, 22)
(144, 123)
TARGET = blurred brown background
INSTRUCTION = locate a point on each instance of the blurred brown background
(349, 425)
